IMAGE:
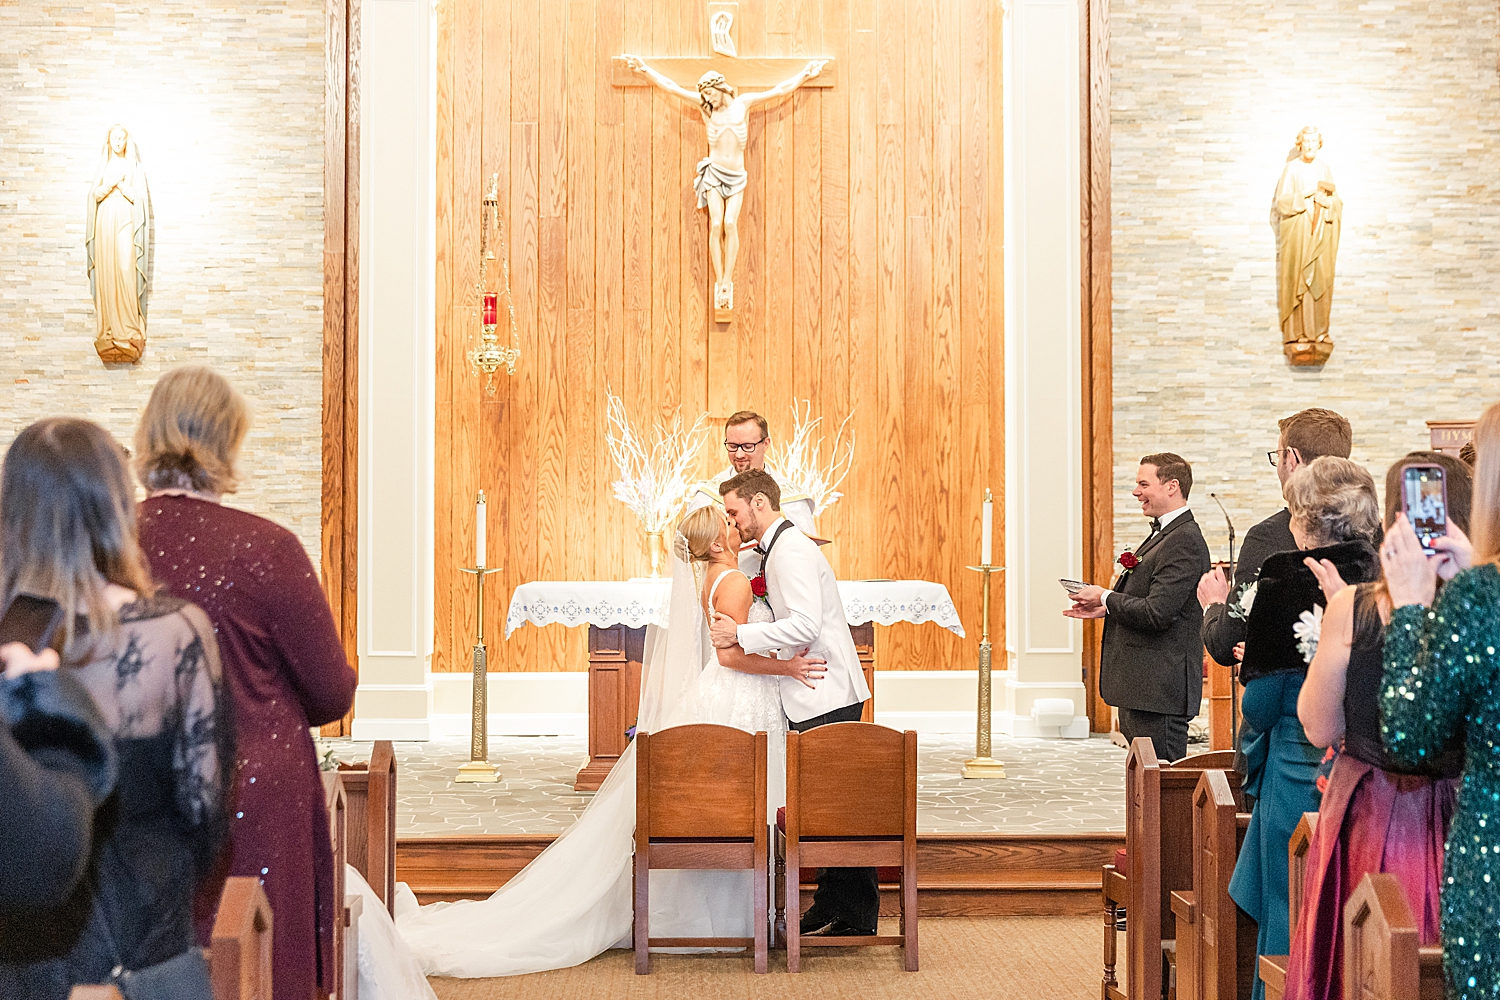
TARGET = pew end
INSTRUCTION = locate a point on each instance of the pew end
(1383, 957)
(240, 949)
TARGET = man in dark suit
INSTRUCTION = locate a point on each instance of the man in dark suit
(1305, 435)
(1151, 667)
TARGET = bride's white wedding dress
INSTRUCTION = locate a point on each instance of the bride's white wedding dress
(574, 900)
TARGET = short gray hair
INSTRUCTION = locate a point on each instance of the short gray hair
(1333, 500)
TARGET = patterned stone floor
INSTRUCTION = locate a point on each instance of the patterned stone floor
(1052, 786)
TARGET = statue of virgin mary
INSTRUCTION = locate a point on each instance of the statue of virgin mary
(117, 238)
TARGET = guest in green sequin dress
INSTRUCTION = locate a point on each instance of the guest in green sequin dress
(1442, 673)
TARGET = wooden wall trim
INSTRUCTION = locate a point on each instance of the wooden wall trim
(341, 322)
(1098, 385)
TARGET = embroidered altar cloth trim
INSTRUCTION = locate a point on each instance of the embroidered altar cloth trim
(637, 603)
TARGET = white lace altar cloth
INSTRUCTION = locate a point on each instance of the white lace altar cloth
(637, 603)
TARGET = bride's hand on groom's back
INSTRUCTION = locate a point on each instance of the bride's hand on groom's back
(807, 669)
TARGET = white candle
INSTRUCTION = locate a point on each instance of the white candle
(479, 531)
(987, 538)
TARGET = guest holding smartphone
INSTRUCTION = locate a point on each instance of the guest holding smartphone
(1442, 674)
(151, 665)
(1377, 813)
(283, 658)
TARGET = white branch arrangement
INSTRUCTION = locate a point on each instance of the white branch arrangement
(653, 483)
(798, 465)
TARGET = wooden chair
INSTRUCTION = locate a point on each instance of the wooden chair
(1382, 957)
(1215, 938)
(1273, 967)
(239, 958)
(371, 825)
(1159, 854)
(700, 794)
(851, 802)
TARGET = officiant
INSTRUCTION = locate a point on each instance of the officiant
(747, 438)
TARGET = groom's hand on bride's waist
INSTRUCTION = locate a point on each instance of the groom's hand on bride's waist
(724, 630)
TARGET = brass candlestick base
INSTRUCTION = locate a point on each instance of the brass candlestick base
(478, 769)
(982, 765)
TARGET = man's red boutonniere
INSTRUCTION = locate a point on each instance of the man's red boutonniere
(758, 586)
(1129, 561)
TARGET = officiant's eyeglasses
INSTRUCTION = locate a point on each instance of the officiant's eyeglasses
(731, 447)
(1275, 456)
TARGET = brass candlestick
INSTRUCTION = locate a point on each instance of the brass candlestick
(479, 768)
(982, 765)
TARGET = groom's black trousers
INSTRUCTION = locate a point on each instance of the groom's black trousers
(848, 894)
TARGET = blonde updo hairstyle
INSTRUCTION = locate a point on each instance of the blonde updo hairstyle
(697, 532)
(190, 435)
(1332, 500)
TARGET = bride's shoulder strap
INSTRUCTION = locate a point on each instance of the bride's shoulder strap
(718, 580)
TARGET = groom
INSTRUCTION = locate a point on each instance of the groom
(800, 587)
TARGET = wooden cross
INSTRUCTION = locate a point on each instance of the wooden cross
(722, 177)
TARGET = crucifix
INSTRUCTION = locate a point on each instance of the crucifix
(721, 180)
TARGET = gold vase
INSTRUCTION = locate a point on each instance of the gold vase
(656, 549)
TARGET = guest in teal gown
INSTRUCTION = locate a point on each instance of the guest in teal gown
(1442, 672)
(1335, 516)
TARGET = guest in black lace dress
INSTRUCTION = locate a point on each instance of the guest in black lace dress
(68, 532)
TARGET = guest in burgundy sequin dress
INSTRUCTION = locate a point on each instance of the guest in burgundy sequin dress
(281, 653)
(1376, 815)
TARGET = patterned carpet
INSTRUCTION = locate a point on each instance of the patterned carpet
(1052, 786)
(1037, 958)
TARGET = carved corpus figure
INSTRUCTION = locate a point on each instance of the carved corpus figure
(117, 240)
(1308, 216)
(721, 174)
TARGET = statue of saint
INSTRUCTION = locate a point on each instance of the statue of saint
(721, 174)
(117, 238)
(1307, 215)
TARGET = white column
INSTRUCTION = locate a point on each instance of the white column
(396, 369)
(1043, 366)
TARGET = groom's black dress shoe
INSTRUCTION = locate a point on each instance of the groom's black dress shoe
(814, 923)
(837, 928)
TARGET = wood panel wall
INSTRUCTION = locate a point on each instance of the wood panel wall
(869, 281)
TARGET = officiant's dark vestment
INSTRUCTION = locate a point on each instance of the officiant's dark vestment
(1151, 662)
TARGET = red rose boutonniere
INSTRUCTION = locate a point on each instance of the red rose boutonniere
(1129, 561)
(758, 586)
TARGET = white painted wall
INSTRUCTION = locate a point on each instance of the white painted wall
(1043, 365)
(396, 369)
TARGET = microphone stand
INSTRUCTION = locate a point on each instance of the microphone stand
(1234, 714)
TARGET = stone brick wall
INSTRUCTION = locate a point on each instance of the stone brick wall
(1207, 99)
(226, 101)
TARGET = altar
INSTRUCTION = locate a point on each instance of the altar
(618, 613)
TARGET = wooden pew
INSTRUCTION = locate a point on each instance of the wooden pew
(370, 789)
(1158, 844)
(1382, 957)
(1273, 967)
(1215, 938)
(239, 956)
(346, 924)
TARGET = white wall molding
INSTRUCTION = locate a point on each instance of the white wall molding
(397, 365)
(1043, 354)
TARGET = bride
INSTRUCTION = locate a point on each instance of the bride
(574, 900)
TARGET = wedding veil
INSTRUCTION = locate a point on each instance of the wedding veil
(675, 653)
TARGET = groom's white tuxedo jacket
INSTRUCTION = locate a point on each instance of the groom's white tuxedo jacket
(809, 613)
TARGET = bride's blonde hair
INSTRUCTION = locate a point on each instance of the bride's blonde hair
(697, 533)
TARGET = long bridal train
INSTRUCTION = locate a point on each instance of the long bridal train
(574, 900)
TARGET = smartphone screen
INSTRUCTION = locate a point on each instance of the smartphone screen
(1424, 497)
(35, 621)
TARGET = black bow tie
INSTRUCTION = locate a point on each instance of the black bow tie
(760, 550)
(1155, 525)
